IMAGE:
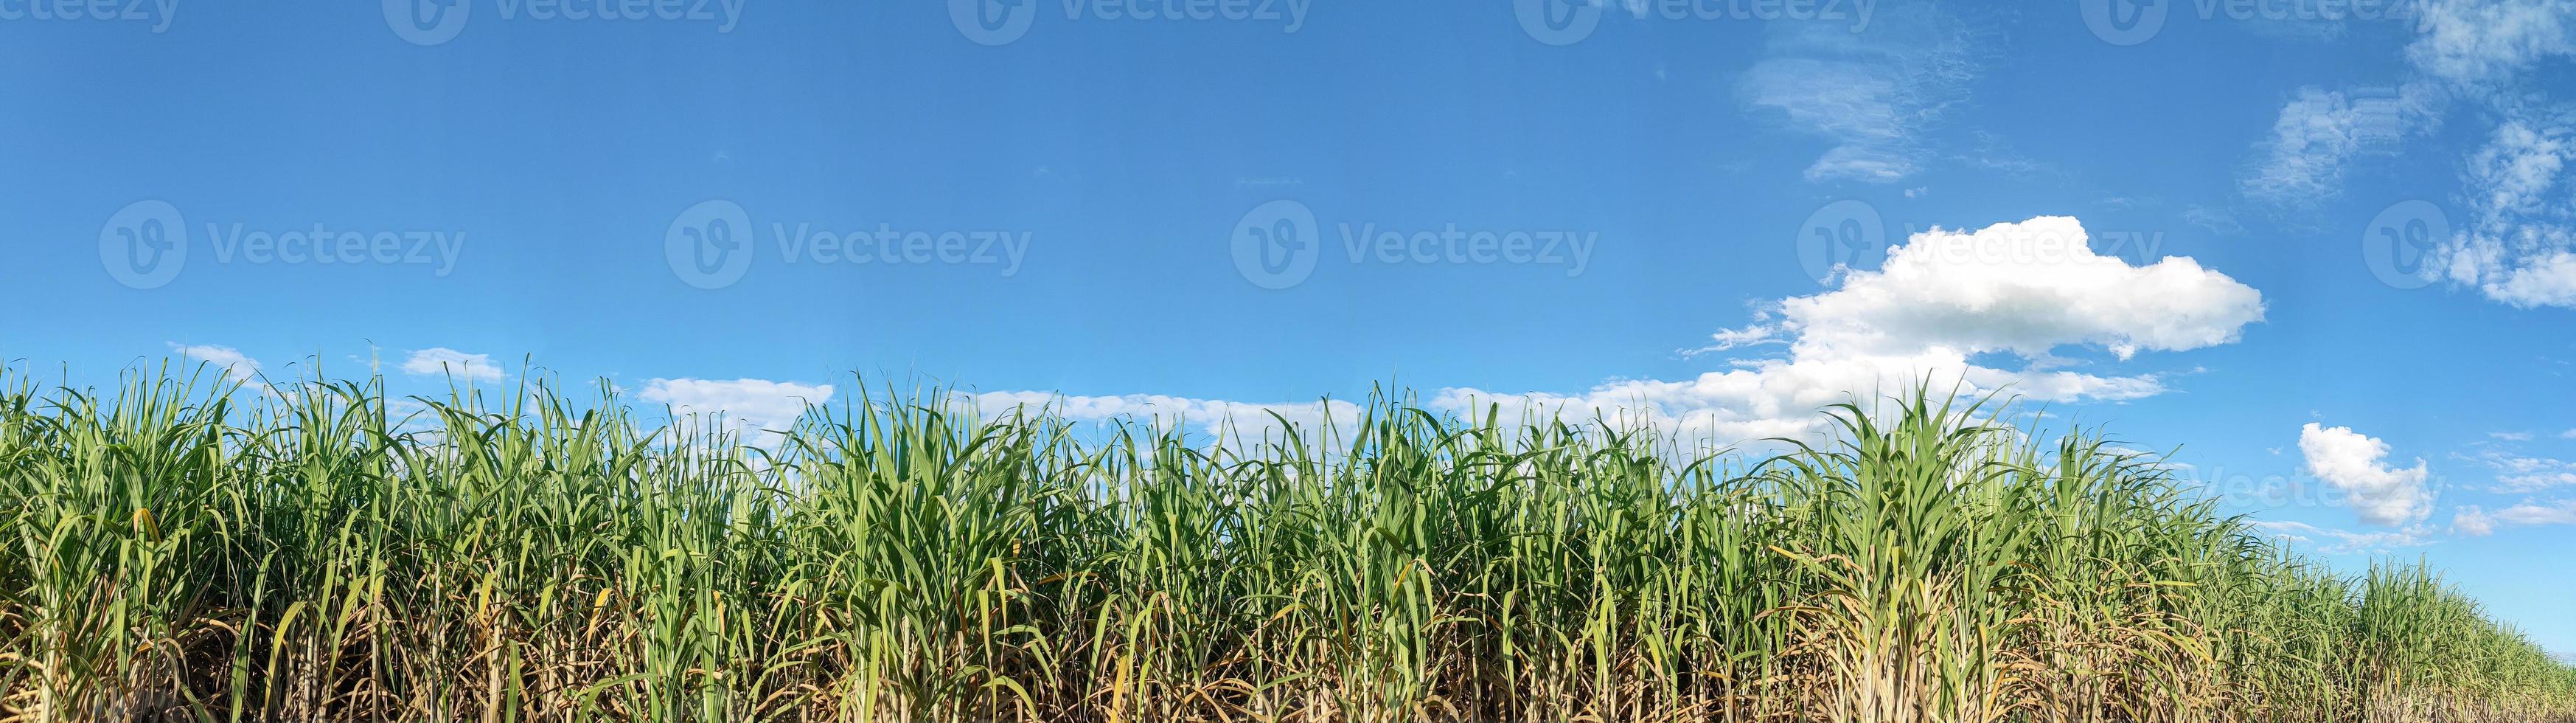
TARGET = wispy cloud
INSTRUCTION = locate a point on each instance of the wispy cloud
(757, 407)
(2518, 242)
(2218, 220)
(2521, 473)
(445, 362)
(2476, 45)
(2519, 246)
(2338, 541)
(235, 365)
(2474, 521)
(1209, 416)
(2316, 140)
(1872, 94)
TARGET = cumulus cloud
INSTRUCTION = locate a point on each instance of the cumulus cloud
(2356, 465)
(744, 405)
(2024, 287)
(1940, 300)
(445, 362)
(1946, 309)
(1872, 94)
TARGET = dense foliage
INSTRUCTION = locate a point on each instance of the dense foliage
(327, 553)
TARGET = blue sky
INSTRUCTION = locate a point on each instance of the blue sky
(2328, 253)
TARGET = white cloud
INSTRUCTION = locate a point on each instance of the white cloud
(2315, 140)
(2355, 464)
(2524, 474)
(2334, 541)
(2471, 520)
(2546, 278)
(2517, 244)
(1211, 416)
(2476, 43)
(1941, 299)
(2514, 171)
(2511, 436)
(2217, 220)
(1872, 94)
(2562, 512)
(2537, 481)
(2021, 287)
(445, 362)
(235, 365)
(744, 404)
